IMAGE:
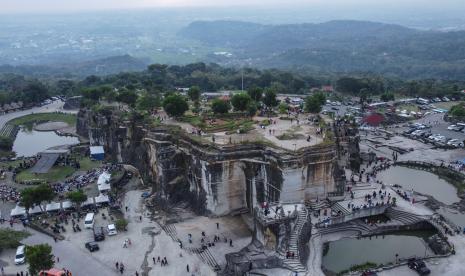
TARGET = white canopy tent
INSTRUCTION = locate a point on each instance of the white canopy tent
(36, 210)
(104, 178)
(52, 206)
(103, 182)
(104, 187)
(66, 204)
(101, 198)
(18, 211)
(89, 201)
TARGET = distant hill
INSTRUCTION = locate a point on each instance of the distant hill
(100, 67)
(336, 46)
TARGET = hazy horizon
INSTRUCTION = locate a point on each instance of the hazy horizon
(59, 6)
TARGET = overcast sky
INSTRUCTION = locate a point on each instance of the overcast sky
(40, 6)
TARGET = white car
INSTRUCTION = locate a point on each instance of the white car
(454, 127)
(20, 257)
(436, 137)
(111, 230)
(455, 142)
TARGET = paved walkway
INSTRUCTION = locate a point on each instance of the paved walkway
(53, 107)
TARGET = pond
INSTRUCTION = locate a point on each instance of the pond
(345, 253)
(420, 181)
(455, 216)
(31, 142)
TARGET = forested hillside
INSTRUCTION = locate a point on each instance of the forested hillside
(337, 46)
(159, 79)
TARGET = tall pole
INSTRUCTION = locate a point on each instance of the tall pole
(242, 79)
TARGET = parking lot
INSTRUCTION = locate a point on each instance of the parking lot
(433, 129)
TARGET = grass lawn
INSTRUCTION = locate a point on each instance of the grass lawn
(56, 173)
(221, 124)
(6, 164)
(445, 105)
(87, 164)
(408, 107)
(70, 119)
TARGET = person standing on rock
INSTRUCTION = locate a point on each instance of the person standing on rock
(187, 268)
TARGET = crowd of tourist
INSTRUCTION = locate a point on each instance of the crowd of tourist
(80, 181)
(8, 193)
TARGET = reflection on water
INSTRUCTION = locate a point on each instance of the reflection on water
(29, 143)
(343, 254)
(420, 181)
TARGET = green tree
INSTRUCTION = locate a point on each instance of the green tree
(240, 101)
(121, 224)
(457, 110)
(6, 143)
(10, 238)
(39, 257)
(43, 192)
(28, 198)
(196, 107)
(127, 96)
(314, 103)
(220, 106)
(175, 105)
(111, 96)
(386, 97)
(93, 94)
(147, 102)
(270, 98)
(252, 108)
(255, 93)
(283, 107)
(34, 196)
(77, 197)
(194, 93)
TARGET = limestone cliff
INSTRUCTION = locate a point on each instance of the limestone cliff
(215, 179)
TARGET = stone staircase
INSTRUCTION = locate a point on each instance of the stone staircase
(317, 205)
(338, 207)
(295, 264)
(204, 254)
(170, 230)
(9, 131)
(403, 217)
(360, 228)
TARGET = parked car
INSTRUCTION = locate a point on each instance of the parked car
(455, 127)
(20, 257)
(436, 137)
(111, 230)
(417, 132)
(92, 246)
(455, 143)
(98, 234)
(419, 266)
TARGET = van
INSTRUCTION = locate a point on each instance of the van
(89, 221)
(98, 234)
(111, 230)
(20, 258)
